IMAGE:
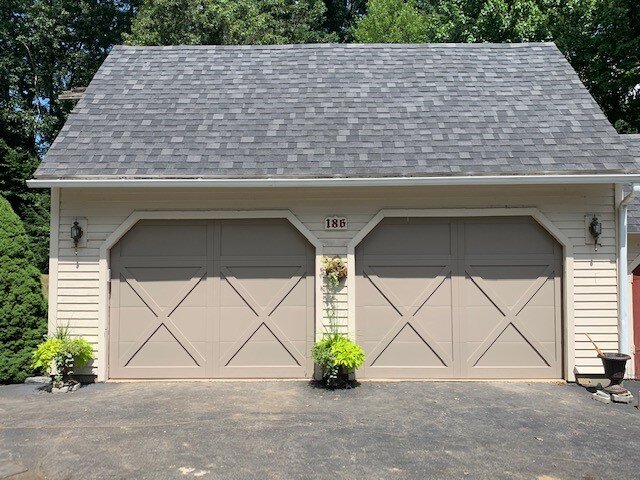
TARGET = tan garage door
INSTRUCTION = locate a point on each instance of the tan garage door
(211, 299)
(462, 298)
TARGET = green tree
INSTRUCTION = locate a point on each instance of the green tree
(22, 305)
(601, 39)
(229, 22)
(32, 206)
(391, 21)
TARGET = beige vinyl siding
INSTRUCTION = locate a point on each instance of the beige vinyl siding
(595, 289)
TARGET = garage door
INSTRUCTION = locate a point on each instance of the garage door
(459, 298)
(210, 299)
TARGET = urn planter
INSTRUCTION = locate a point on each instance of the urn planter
(614, 368)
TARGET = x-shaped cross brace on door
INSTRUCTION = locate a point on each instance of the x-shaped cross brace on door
(510, 315)
(263, 315)
(407, 315)
(163, 316)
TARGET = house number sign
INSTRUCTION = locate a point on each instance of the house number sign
(335, 223)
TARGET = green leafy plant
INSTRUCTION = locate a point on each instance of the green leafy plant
(334, 270)
(336, 355)
(65, 352)
(347, 354)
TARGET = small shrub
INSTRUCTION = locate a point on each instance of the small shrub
(336, 355)
(65, 352)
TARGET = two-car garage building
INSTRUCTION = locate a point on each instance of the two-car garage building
(464, 174)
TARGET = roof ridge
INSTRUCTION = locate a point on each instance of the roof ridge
(393, 46)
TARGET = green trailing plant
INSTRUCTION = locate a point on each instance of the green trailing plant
(63, 351)
(334, 270)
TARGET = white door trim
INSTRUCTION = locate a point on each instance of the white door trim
(568, 320)
(136, 216)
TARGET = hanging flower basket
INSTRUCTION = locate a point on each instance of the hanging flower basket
(334, 270)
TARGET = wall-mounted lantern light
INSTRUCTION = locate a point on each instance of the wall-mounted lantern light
(595, 228)
(76, 234)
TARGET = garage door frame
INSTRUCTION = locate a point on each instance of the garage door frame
(136, 216)
(545, 222)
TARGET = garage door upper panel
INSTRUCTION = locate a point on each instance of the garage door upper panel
(261, 238)
(157, 238)
(506, 236)
(408, 236)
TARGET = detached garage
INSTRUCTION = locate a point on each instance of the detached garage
(459, 183)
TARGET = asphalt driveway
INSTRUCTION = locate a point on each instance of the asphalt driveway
(290, 430)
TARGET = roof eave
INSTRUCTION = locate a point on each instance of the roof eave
(332, 182)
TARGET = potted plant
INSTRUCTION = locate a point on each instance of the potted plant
(337, 356)
(61, 354)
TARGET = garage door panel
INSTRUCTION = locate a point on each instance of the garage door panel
(511, 349)
(191, 321)
(407, 286)
(163, 288)
(263, 344)
(136, 289)
(515, 288)
(408, 349)
(544, 297)
(162, 349)
(263, 288)
(234, 321)
(261, 238)
(287, 318)
(539, 322)
(139, 319)
(380, 319)
(506, 237)
(495, 314)
(437, 321)
(149, 239)
(409, 237)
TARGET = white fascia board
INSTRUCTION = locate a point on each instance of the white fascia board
(334, 182)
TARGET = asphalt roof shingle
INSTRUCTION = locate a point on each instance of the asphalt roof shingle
(335, 111)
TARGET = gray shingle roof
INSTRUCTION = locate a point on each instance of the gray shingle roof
(633, 214)
(335, 111)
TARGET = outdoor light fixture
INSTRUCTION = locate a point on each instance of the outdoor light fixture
(76, 234)
(595, 229)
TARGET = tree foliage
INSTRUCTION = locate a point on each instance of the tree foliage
(392, 21)
(222, 22)
(22, 305)
(16, 167)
